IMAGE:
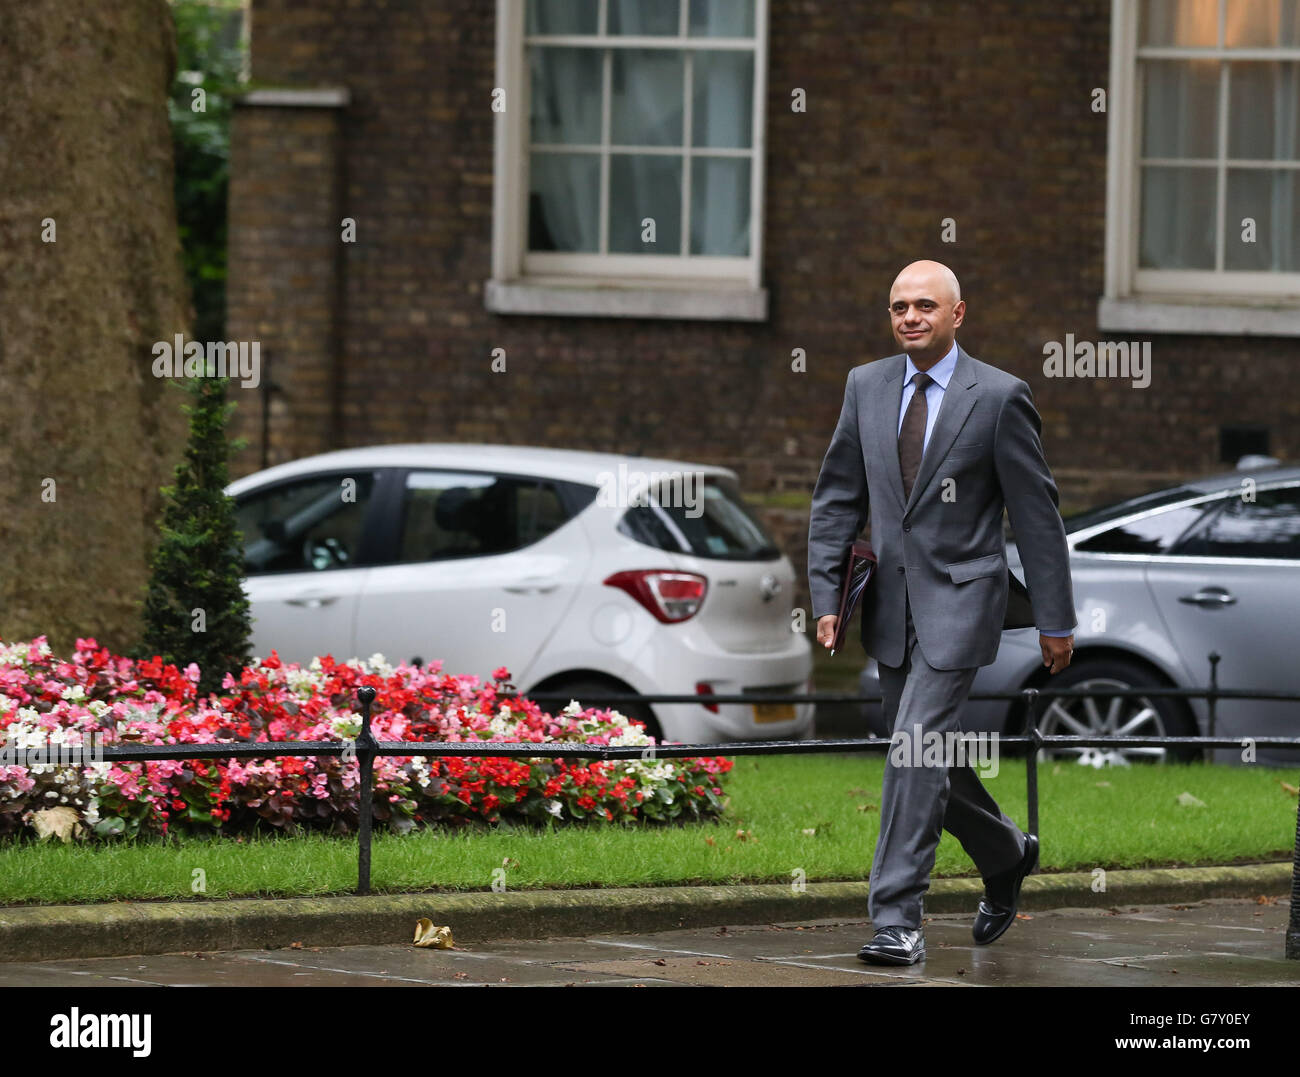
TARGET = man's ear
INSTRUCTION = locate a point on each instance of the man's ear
(958, 313)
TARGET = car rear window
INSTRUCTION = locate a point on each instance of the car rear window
(715, 522)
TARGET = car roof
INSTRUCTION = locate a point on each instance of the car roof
(574, 465)
(1225, 480)
(1188, 489)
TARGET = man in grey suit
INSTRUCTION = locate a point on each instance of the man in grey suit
(933, 444)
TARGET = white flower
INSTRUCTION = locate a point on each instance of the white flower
(346, 727)
(74, 692)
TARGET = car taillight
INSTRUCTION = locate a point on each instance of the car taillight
(670, 596)
(703, 688)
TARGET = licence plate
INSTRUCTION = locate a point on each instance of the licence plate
(773, 712)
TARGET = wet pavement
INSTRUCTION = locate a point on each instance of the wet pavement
(1223, 943)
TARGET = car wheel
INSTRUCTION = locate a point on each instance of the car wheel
(1102, 715)
(588, 693)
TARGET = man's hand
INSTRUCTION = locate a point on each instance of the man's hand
(826, 629)
(1056, 651)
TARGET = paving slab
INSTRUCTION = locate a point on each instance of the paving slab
(1220, 943)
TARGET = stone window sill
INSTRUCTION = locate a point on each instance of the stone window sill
(704, 300)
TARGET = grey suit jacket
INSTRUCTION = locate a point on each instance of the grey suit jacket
(944, 546)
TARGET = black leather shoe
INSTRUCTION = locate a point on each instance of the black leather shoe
(894, 946)
(997, 911)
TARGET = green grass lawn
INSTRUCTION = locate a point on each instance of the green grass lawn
(1110, 819)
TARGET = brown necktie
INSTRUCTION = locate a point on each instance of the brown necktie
(911, 438)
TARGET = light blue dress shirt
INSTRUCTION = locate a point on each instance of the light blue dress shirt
(940, 374)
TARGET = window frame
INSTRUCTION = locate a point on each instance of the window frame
(616, 284)
(1167, 300)
(372, 538)
(1213, 501)
(392, 525)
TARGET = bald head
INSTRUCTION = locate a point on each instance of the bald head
(926, 307)
(935, 276)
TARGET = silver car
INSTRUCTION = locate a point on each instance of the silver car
(1160, 581)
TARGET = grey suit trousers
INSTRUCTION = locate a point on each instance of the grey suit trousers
(918, 802)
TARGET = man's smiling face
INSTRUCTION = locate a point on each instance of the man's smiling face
(925, 309)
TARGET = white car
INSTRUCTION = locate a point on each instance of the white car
(550, 562)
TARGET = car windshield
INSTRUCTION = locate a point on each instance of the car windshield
(708, 519)
(1081, 520)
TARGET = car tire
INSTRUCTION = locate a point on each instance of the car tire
(1165, 715)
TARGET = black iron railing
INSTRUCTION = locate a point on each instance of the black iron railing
(367, 749)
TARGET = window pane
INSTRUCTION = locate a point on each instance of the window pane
(1180, 114)
(1263, 99)
(1179, 22)
(720, 206)
(717, 523)
(566, 88)
(1270, 198)
(564, 202)
(1178, 218)
(722, 18)
(466, 515)
(646, 109)
(563, 16)
(644, 186)
(722, 106)
(1262, 23)
(1269, 526)
(1152, 534)
(648, 17)
(308, 526)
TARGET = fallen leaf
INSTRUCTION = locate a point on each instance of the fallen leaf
(434, 938)
(1288, 788)
(810, 832)
(709, 841)
(1186, 800)
(1265, 899)
(660, 961)
(62, 823)
(295, 946)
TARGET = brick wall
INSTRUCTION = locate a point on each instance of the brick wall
(916, 112)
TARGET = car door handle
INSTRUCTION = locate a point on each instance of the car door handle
(313, 603)
(1209, 596)
(532, 587)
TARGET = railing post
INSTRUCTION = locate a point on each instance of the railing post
(366, 744)
(1212, 694)
(1293, 929)
(1031, 763)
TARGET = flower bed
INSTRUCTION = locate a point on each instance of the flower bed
(46, 701)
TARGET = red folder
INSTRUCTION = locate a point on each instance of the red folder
(859, 567)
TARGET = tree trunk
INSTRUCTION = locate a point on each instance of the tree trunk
(89, 433)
